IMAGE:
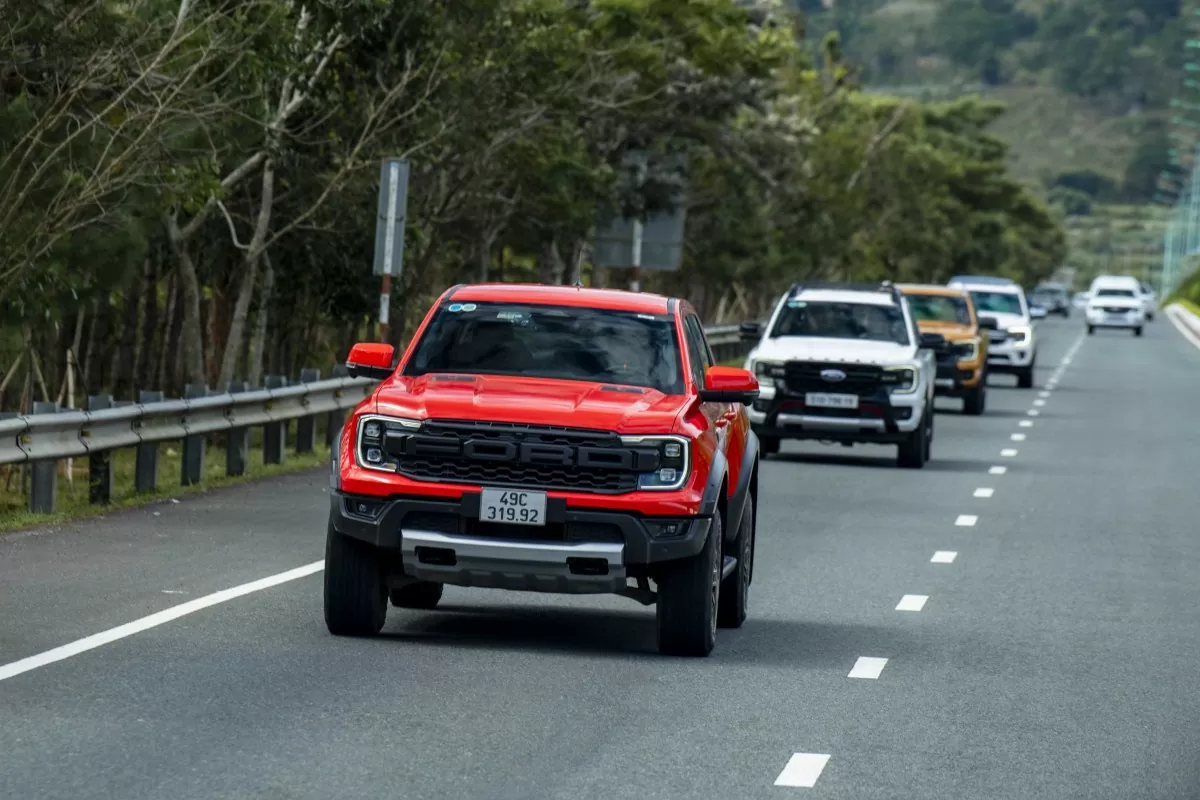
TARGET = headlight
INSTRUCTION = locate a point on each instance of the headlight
(379, 439)
(674, 461)
(767, 372)
(900, 380)
(968, 350)
(1021, 334)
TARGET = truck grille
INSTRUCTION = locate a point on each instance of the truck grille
(500, 454)
(805, 376)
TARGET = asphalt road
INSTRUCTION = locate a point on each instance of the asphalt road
(1053, 657)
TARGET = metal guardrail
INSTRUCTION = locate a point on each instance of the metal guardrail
(50, 434)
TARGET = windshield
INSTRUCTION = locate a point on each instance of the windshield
(842, 321)
(543, 341)
(996, 302)
(1115, 293)
(939, 308)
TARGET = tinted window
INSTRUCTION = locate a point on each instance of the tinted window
(996, 302)
(939, 308)
(543, 341)
(1115, 293)
(697, 349)
(842, 321)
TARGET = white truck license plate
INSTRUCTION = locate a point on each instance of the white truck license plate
(826, 400)
(513, 506)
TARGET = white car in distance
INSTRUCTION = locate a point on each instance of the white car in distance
(1012, 345)
(1116, 301)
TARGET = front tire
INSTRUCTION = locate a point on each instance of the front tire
(735, 590)
(1091, 329)
(914, 451)
(1137, 331)
(355, 593)
(768, 445)
(689, 594)
(1025, 377)
(975, 401)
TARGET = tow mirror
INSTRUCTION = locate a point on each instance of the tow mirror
(729, 385)
(932, 341)
(987, 323)
(750, 331)
(370, 360)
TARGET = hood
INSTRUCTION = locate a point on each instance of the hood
(851, 351)
(1005, 321)
(533, 401)
(954, 331)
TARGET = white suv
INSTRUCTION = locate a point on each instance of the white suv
(1116, 301)
(844, 363)
(1012, 345)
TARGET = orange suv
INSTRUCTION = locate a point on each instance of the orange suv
(549, 439)
(962, 362)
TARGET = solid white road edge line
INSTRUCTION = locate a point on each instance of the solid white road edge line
(997, 470)
(983, 491)
(966, 520)
(802, 770)
(944, 557)
(912, 602)
(867, 668)
(153, 621)
(1181, 326)
(1008, 452)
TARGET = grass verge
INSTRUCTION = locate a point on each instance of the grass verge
(73, 486)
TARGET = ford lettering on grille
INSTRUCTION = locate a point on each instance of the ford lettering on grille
(833, 375)
(535, 453)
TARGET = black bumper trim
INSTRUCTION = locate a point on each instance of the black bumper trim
(384, 529)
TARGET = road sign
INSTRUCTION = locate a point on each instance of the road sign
(389, 225)
(655, 243)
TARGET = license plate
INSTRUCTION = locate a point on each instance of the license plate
(513, 506)
(825, 400)
(944, 383)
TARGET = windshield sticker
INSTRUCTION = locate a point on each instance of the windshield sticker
(796, 304)
(650, 317)
(469, 307)
(454, 308)
(512, 316)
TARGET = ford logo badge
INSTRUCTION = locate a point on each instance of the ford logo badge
(833, 375)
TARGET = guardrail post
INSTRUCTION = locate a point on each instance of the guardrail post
(145, 471)
(335, 419)
(100, 465)
(43, 485)
(306, 427)
(192, 462)
(274, 433)
(237, 441)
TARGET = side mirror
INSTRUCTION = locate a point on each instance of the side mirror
(750, 331)
(729, 385)
(989, 324)
(932, 341)
(370, 360)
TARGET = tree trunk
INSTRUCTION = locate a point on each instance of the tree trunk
(547, 263)
(241, 311)
(90, 351)
(191, 334)
(146, 342)
(123, 361)
(169, 325)
(254, 368)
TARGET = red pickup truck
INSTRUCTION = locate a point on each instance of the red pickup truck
(549, 439)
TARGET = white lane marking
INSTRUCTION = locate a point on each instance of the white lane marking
(1039, 403)
(802, 770)
(1024, 424)
(1018, 437)
(912, 602)
(984, 492)
(868, 668)
(1033, 412)
(966, 520)
(111, 635)
(944, 557)
(997, 470)
(1066, 360)
(1008, 452)
(1175, 314)
(1043, 395)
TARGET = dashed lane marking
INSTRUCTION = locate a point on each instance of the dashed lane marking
(868, 668)
(15, 668)
(984, 492)
(802, 770)
(1043, 395)
(1033, 412)
(997, 470)
(1024, 424)
(1018, 437)
(966, 520)
(912, 602)
(944, 557)
(1039, 403)
(1008, 452)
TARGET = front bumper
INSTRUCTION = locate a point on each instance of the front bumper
(881, 418)
(1008, 356)
(578, 551)
(1129, 319)
(954, 379)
